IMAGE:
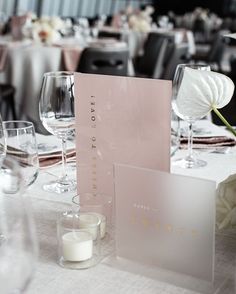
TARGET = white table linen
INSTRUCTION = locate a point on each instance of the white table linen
(24, 69)
(104, 278)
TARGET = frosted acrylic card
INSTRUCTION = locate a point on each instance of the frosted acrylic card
(119, 119)
(165, 220)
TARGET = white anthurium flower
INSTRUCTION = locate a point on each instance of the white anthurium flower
(226, 203)
(203, 91)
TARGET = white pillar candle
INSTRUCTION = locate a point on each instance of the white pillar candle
(77, 246)
(102, 225)
(86, 221)
(90, 223)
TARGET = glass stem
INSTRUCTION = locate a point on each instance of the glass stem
(64, 165)
(190, 140)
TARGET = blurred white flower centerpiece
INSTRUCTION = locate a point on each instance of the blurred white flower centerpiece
(45, 29)
(140, 20)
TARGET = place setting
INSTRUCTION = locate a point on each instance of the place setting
(117, 147)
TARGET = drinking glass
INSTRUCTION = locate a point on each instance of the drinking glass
(57, 114)
(18, 246)
(190, 161)
(22, 146)
(2, 142)
(78, 236)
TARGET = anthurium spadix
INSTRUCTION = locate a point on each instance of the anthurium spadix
(203, 91)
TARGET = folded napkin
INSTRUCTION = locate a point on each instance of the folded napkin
(208, 142)
(55, 158)
(46, 160)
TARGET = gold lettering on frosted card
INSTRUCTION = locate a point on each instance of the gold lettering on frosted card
(167, 223)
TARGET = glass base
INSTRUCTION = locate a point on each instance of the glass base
(189, 163)
(60, 186)
(94, 260)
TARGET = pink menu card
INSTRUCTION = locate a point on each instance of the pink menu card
(119, 119)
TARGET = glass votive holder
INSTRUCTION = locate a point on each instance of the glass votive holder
(78, 236)
(99, 205)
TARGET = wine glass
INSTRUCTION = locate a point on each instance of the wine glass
(2, 142)
(57, 114)
(190, 161)
(22, 146)
(18, 246)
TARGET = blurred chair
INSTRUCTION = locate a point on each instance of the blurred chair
(7, 103)
(179, 55)
(200, 30)
(215, 54)
(107, 34)
(156, 48)
(108, 61)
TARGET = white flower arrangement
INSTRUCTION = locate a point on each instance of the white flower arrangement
(140, 20)
(226, 203)
(45, 29)
(209, 91)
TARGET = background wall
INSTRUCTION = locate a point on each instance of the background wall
(221, 7)
(87, 8)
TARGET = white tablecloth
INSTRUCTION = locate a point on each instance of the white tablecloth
(24, 69)
(50, 278)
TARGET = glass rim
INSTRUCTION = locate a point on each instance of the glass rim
(193, 64)
(75, 200)
(71, 214)
(57, 74)
(27, 123)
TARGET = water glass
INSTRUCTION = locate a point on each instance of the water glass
(56, 109)
(22, 146)
(175, 133)
(3, 145)
(189, 161)
(78, 236)
(18, 244)
(100, 205)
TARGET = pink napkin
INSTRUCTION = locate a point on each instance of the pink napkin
(71, 57)
(3, 56)
(208, 142)
(52, 159)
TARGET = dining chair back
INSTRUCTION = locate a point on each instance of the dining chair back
(149, 64)
(106, 34)
(7, 102)
(179, 55)
(108, 61)
(217, 49)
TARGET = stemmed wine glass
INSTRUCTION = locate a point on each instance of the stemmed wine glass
(2, 142)
(190, 161)
(57, 114)
(22, 146)
(18, 245)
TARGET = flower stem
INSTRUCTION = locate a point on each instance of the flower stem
(221, 117)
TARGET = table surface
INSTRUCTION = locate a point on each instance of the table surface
(105, 277)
